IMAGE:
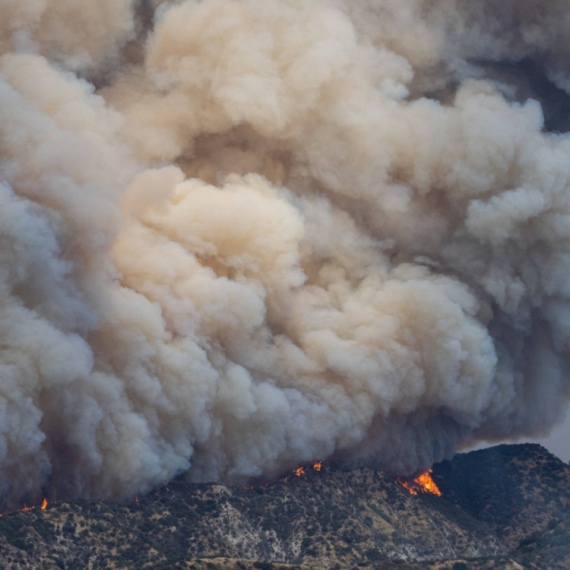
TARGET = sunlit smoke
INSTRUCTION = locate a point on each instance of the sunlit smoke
(239, 236)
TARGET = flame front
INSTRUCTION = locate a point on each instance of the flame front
(25, 508)
(299, 472)
(422, 484)
(302, 470)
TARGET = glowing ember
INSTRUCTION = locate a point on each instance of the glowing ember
(422, 484)
(300, 471)
(44, 504)
(318, 466)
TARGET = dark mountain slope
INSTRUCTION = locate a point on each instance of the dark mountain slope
(516, 489)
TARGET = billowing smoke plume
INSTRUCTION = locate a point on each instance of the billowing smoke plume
(241, 235)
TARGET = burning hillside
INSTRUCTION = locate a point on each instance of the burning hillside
(25, 508)
(501, 508)
(421, 484)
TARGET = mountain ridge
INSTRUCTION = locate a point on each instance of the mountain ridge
(502, 507)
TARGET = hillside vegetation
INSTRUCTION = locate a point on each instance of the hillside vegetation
(504, 507)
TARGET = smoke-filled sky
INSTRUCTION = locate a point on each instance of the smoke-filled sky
(558, 441)
(241, 235)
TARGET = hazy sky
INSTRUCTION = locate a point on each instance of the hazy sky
(559, 440)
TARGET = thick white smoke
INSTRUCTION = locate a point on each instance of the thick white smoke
(241, 235)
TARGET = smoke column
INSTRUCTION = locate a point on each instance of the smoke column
(241, 235)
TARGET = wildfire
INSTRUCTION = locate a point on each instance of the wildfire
(422, 484)
(303, 471)
(25, 508)
(299, 472)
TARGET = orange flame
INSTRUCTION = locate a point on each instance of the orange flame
(25, 508)
(422, 484)
(298, 472)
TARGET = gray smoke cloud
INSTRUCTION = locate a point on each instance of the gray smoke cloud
(241, 235)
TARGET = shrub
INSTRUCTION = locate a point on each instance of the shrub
(373, 554)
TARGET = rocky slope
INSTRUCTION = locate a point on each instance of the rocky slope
(504, 507)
